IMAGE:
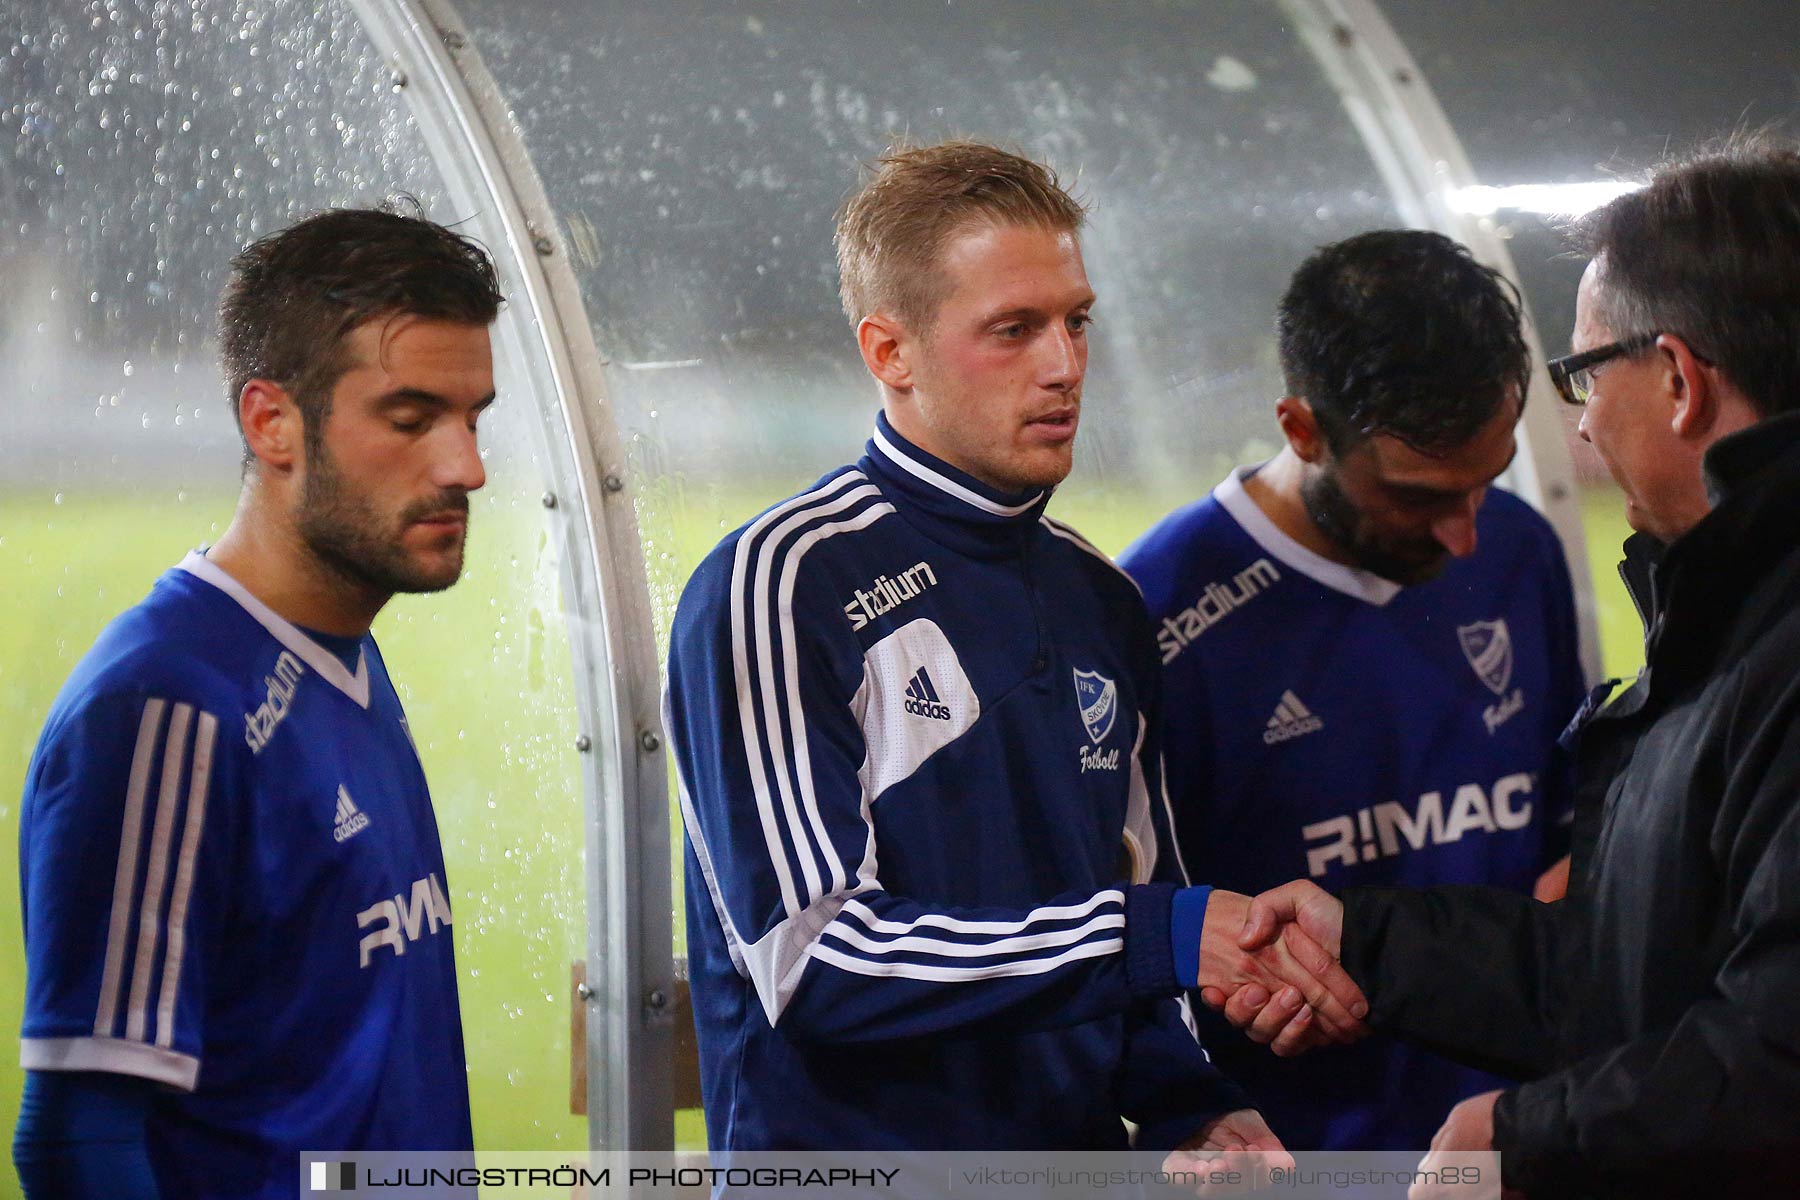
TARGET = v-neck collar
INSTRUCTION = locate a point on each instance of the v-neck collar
(327, 665)
(1362, 585)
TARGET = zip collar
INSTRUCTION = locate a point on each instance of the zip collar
(1691, 591)
(946, 503)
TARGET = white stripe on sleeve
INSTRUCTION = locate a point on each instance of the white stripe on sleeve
(156, 869)
(802, 756)
(125, 874)
(1015, 967)
(1037, 916)
(764, 629)
(113, 1056)
(754, 577)
(1023, 944)
(1140, 826)
(201, 777)
(740, 655)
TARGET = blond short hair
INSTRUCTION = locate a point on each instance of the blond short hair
(891, 232)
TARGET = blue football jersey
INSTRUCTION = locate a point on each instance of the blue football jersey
(1324, 723)
(233, 886)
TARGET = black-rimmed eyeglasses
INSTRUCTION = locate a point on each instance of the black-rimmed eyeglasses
(1573, 374)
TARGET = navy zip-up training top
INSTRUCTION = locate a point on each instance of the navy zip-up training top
(929, 870)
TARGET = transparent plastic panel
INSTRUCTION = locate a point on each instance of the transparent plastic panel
(1545, 92)
(145, 143)
(697, 151)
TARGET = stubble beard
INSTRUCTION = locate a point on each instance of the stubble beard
(349, 538)
(1334, 514)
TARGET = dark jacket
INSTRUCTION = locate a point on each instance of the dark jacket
(1656, 1012)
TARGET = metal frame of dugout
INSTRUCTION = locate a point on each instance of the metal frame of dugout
(630, 984)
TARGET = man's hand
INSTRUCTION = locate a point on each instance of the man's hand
(1469, 1128)
(1470, 1125)
(1553, 884)
(1296, 926)
(1240, 1143)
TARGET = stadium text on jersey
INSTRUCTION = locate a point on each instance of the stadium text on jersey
(1215, 603)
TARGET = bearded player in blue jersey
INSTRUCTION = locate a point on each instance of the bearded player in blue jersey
(932, 898)
(1368, 652)
(237, 919)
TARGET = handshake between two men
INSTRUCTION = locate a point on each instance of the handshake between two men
(1269, 963)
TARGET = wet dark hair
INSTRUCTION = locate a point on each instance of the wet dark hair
(295, 295)
(1401, 332)
(1710, 251)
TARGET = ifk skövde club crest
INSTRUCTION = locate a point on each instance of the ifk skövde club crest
(1098, 698)
(1488, 647)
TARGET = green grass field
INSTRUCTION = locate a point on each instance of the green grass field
(484, 671)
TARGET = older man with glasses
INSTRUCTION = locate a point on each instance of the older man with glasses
(1651, 1014)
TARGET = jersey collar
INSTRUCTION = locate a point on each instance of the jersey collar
(1362, 585)
(327, 665)
(960, 508)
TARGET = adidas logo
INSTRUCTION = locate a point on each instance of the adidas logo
(351, 820)
(922, 698)
(1292, 719)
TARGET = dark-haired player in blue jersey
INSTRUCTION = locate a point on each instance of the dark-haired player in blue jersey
(932, 899)
(237, 920)
(1368, 652)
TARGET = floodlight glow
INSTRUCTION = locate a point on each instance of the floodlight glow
(1560, 199)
